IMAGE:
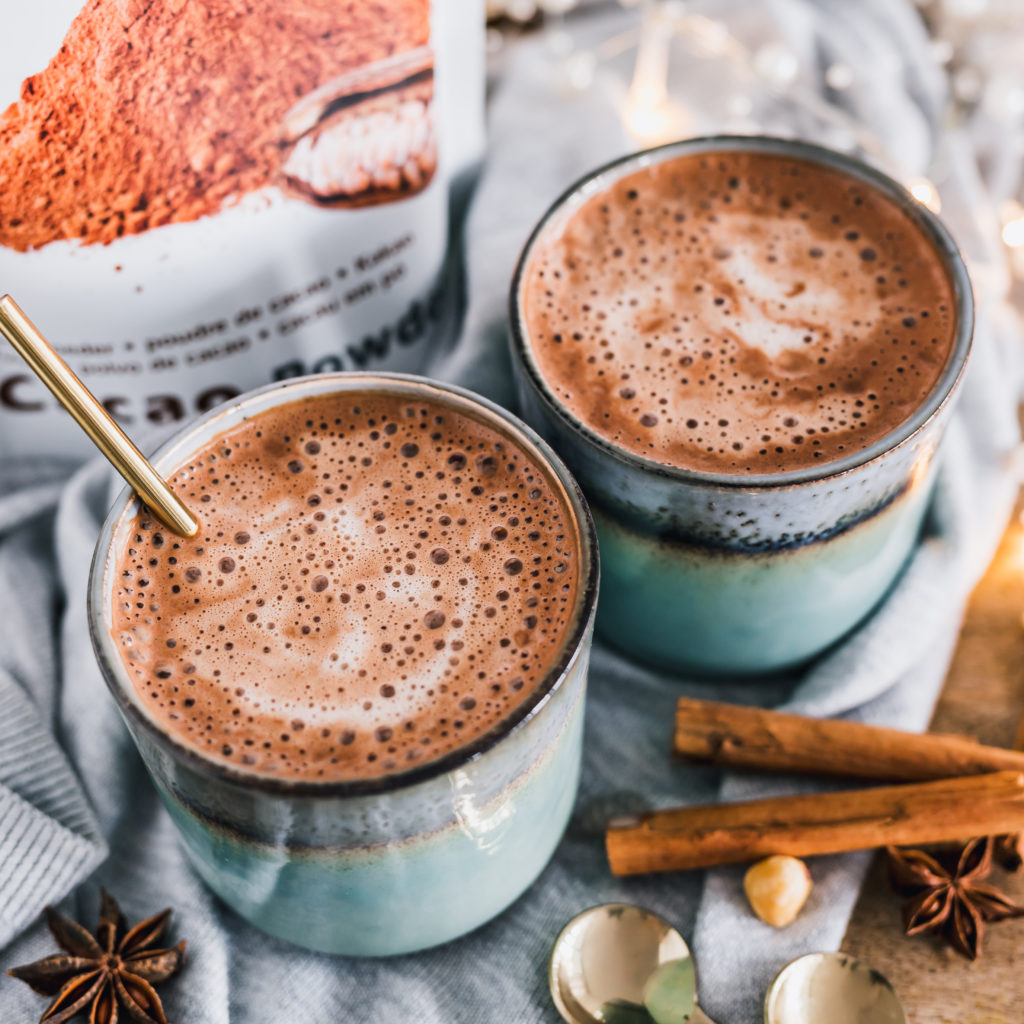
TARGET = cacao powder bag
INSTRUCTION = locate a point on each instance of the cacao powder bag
(201, 196)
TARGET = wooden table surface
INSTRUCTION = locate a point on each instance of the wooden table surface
(983, 698)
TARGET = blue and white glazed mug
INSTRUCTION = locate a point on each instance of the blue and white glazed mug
(732, 575)
(379, 866)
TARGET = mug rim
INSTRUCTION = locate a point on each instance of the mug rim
(178, 448)
(936, 233)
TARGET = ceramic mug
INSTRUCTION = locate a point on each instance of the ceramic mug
(741, 574)
(383, 865)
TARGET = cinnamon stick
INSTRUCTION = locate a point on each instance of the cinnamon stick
(1010, 846)
(743, 737)
(805, 826)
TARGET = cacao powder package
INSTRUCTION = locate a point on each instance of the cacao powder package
(201, 196)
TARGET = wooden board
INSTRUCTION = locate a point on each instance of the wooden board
(983, 698)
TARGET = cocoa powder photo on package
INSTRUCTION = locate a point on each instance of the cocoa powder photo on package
(152, 114)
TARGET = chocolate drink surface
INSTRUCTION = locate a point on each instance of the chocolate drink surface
(377, 582)
(739, 313)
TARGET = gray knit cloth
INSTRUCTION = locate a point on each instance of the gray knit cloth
(77, 810)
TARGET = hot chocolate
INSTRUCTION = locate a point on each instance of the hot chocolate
(378, 580)
(738, 312)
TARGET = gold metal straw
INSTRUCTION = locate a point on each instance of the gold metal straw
(94, 419)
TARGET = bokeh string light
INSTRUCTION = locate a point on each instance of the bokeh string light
(679, 70)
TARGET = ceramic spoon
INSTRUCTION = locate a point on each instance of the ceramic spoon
(621, 964)
(831, 988)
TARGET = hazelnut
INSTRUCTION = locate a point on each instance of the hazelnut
(777, 888)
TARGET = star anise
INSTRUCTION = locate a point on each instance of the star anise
(1009, 850)
(116, 967)
(956, 903)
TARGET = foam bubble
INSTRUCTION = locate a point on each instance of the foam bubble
(376, 582)
(739, 313)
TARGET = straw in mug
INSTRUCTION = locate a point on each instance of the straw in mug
(24, 336)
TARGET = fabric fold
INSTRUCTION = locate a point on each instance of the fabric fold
(50, 840)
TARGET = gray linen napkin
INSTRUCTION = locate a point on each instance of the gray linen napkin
(76, 806)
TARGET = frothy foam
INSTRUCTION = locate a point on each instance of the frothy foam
(376, 582)
(739, 312)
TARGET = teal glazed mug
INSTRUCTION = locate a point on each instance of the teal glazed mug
(411, 857)
(744, 543)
